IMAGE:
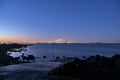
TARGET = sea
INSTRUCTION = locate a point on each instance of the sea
(53, 50)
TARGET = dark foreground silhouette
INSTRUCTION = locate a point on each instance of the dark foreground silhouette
(5, 59)
(93, 68)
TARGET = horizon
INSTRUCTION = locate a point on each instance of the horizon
(59, 42)
(61, 21)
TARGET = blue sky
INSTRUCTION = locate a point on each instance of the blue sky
(69, 20)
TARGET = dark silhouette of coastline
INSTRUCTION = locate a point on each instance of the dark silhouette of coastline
(5, 58)
(92, 68)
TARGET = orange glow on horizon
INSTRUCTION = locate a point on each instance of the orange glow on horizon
(28, 40)
(20, 40)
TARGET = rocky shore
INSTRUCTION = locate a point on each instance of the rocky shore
(5, 58)
(92, 68)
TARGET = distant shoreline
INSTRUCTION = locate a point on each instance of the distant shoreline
(61, 43)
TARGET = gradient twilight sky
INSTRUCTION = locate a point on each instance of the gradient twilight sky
(60, 20)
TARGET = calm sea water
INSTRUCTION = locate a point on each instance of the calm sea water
(71, 50)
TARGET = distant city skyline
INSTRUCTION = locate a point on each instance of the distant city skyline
(72, 21)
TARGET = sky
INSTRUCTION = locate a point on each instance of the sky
(82, 21)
